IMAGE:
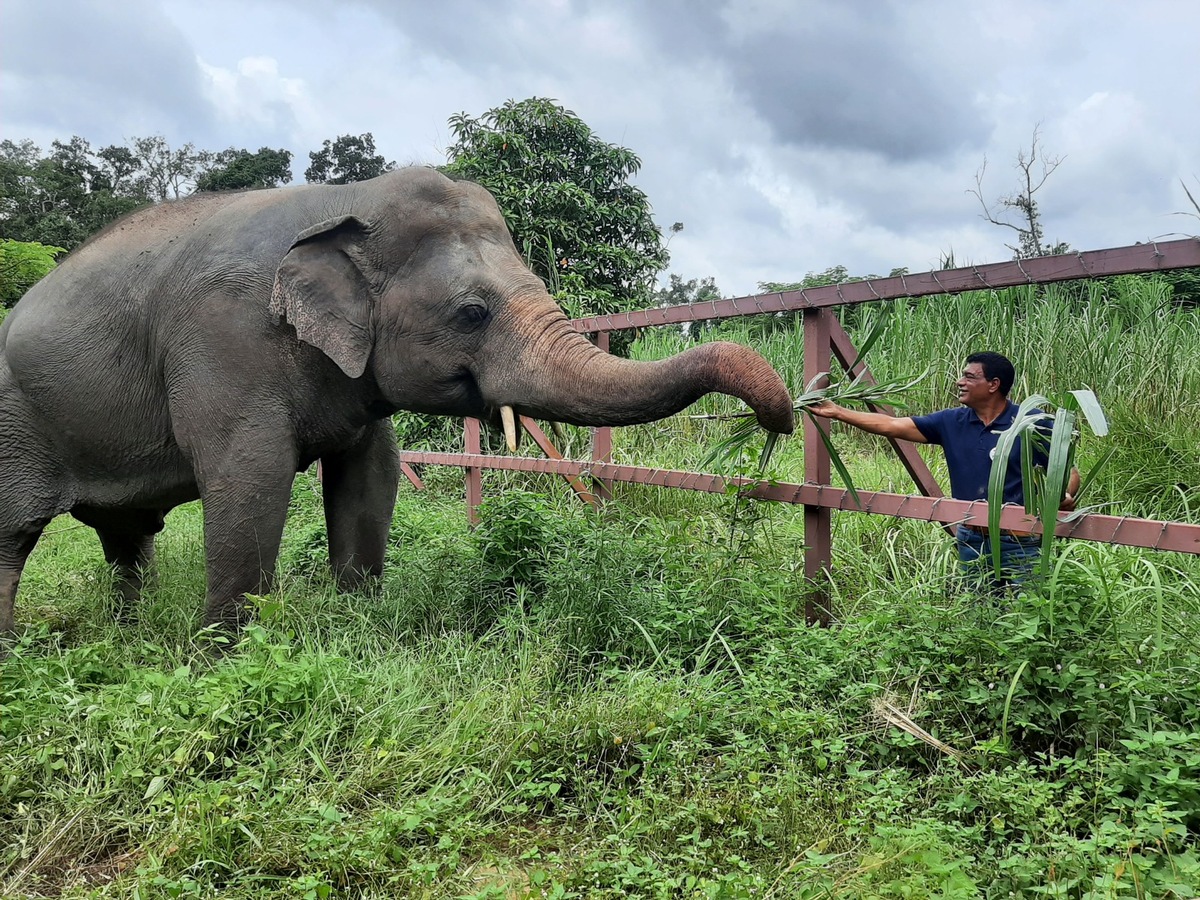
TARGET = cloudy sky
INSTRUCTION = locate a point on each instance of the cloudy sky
(787, 136)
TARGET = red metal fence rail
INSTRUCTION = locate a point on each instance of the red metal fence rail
(824, 341)
(1181, 537)
(1134, 260)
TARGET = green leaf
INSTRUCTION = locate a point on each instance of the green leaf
(157, 783)
(1029, 415)
(834, 458)
(1058, 470)
(876, 332)
(1090, 407)
(860, 390)
(1089, 476)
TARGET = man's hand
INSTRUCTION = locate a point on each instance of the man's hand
(1068, 500)
(826, 409)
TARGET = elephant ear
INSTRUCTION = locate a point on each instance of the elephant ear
(321, 292)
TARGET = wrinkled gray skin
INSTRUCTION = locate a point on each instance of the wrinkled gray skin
(212, 348)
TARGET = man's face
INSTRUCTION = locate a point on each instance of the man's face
(973, 386)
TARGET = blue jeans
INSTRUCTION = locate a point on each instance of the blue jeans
(1018, 557)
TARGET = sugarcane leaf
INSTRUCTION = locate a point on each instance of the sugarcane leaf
(834, 458)
(1029, 414)
(768, 450)
(1092, 412)
(1058, 470)
(1089, 476)
(728, 450)
(1028, 474)
(996, 478)
(813, 387)
(875, 334)
(731, 452)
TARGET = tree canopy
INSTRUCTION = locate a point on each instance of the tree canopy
(165, 172)
(55, 201)
(568, 202)
(238, 170)
(60, 199)
(692, 290)
(348, 159)
(680, 292)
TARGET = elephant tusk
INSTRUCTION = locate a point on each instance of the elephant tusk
(510, 427)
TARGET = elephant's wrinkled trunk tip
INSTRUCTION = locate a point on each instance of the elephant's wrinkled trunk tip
(743, 372)
(781, 418)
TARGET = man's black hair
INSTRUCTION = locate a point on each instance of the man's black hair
(995, 366)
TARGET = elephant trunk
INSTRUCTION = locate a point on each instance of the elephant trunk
(566, 378)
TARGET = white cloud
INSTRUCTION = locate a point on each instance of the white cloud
(786, 137)
(256, 97)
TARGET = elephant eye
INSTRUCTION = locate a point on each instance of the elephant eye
(473, 313)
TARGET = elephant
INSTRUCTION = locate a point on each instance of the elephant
(214, 346)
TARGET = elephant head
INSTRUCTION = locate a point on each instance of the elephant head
(415, 281)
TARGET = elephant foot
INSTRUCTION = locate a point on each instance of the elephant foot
(224, 620)
(351, 580)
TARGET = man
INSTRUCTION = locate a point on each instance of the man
(968, 435)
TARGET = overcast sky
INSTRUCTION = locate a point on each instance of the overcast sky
(787, 136)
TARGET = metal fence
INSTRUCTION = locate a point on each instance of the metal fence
(825, 341)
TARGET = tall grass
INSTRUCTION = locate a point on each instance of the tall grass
(567, 702)
(1122, 337)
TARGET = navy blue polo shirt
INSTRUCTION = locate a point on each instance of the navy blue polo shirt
(969, 447)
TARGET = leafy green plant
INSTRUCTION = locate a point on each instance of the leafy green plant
(855, 391)
(1044, 490)
(513, 538)
(23, 264)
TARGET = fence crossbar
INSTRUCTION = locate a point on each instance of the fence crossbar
(1135, 259)
(1180, 537)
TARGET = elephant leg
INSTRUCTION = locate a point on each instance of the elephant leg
(359, 487)
(14, 551)
(243, 525)
(30, 493)
(128, 543)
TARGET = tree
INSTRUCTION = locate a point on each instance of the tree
(679, 292)
(41, 199)
(348, 159)
(1029, 221)
(117, 165)
(165, 173)
(695, 290)
(566, 197)
(238, 170)
(22, 265)
(832, 275)
(849, 315)
(1185, 283)
(60, 199)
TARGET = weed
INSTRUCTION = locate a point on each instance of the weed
(568, 703)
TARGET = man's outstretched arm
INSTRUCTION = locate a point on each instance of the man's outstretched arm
(876, 423)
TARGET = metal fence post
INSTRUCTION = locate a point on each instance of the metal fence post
(472, 445)
(602, 440)
(818, 538)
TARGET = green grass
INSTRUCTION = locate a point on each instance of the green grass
(627, 702)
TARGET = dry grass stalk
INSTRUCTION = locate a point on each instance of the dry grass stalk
(898, 718)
